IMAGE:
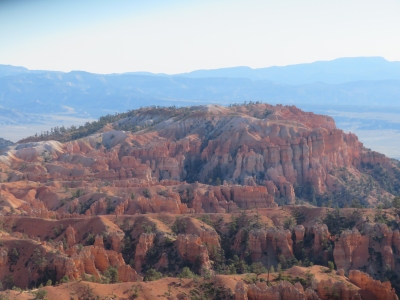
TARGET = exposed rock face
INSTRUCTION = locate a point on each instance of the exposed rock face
(353, 250)
(326, 289)
(236, 158)
(3, 257)
(381, 290)
(146, 241)
(268, 149)
(207, 234)
(241, 291)
(260, 240)
(70, 233)
(163, 262)
(155, 203)
(321, 235)
(66, 266)
(283, 290)
(190, 248)
(299, 232)
(116, 241)
(94, 260)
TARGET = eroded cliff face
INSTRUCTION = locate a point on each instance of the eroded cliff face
(321, 287)
(190, 248)
(146, 242)
(381, 290)
(267, 150)
(371, 250)
(200, 187)
(207, 234)
(94, 260)
(166, 241)
(283, 290)
(276, 241)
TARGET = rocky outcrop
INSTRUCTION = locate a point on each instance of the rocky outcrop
(156, 203)
(94, 260)
(241, 157)
(328, 289)
(207, 234)
(299, 232)
(84, 263)
(354, 250)
(241, 291)
(70, 234)
(269, 154)
(163, 262)
(67, 266)
(381, 290)
(321, 236)
(229, 198)
(3, 257)
(263, 240)
(146, 241)
(190, 248)
(116, 241)
(283, 290)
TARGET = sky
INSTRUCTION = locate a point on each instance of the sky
(178, 36)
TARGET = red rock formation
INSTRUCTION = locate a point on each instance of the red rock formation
(328, 289)
(157, 203)
(352, 250)
(190, 248)
(228, 198)
(66, 266)
(283, 290)
(146, 241)
(3, 257)
(163, 262)
(381, 290)
(94, 260)
(116, 241)
(70, 233)
(299, 232)
(260, 239)
(321, 235)
(207, 234)
(250, 154)
(241, 291)
(279, 148)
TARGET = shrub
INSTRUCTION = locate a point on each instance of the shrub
(111, 274)
(152, 275)
(40, 294)
(289, 223)
(331, 266)
(146, 193)
(258, 269)
(186, 273)
(14, 255)
(249, 279)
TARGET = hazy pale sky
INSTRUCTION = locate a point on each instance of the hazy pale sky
(178, 36)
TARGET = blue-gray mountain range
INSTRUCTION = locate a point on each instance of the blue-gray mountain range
(360, 92)
(346, 81)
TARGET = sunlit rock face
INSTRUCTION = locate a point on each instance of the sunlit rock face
(212, 188)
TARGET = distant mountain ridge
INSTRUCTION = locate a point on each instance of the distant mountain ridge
(336, 71)
(8, 70)
(95, 95)
(340, 70)
(53, 98)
